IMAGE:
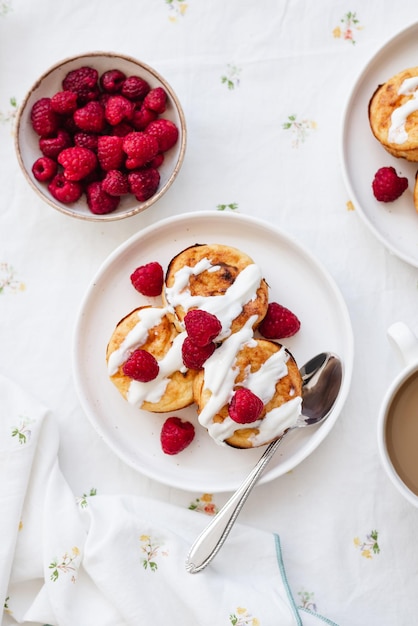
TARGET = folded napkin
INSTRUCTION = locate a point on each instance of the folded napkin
(118, 560)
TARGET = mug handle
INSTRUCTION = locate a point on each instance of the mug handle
(404, 342)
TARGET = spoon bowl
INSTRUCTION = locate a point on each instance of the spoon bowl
(321, 383)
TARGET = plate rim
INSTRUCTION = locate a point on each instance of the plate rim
(324, 429)
(355, 86)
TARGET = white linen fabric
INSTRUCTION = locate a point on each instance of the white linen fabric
(117, 560)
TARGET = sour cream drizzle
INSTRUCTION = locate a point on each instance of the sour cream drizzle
(397, 133)
(220, 373)
(226, 307)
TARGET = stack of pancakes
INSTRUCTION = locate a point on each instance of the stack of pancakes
(224, 281)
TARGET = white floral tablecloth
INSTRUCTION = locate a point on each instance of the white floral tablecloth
(263, 86)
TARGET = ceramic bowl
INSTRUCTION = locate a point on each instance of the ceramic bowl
(27, 141)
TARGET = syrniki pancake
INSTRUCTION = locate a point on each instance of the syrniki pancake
(263, 366)
(149, 328)
(393, 114)
(219, 279)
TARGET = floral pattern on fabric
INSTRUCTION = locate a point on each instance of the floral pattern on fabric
(307, 600)
(369, 546)
(204, 504)
(66, 565)
(177, 9)
(242, 617)
(8, 281)
(232, 206)
(10, 115)
(82, 500)
(22, 432)
(350, 24)
(152, 551)
(5, 7)
(300, 130)
(231, 78)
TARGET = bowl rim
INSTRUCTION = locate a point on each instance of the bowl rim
(141, 206)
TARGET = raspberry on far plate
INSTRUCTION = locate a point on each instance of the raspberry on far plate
(140, 147)
(148, 279)
(111, 81)
(279, 322)
(245, 407)
(53, 145)
(45, 121)
(156, 100)
(44, 169)
(77, 162)
(387, 185)
(141, 366)
(110, 152)
(165, 131)
(90, 117)
(194, 356)
(84, 81)
(135, 88)
(202, 327)
(100, 202)
(63, 190)
(117, 109)
(115, 183)
(176, 435)
(64, 102)
(144, 183)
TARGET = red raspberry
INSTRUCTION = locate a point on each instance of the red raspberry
(98, 201)
(112, 81)
(115, 183)
(202, 327)
(135, 88)
(122, 129)
(165, 131)
(387, 185)
(142, 117)
(90, 117)
(110, 152)
(195, 356)
(144, 183)
(148, 279)
(77, 162)
(64, 102)
(64, 190)
(141, 366)
(44, 169)
(52, 146)
(140, 148)
(45, 121)
(157, 161)
(245, 407)
(117, 109)
(86, 140)
(176, 435)
(156, 100)
(279, 322)
(84, 82)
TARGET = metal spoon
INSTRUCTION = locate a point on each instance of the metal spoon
(321, 377)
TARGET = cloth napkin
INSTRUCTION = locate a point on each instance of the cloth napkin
(118, 560)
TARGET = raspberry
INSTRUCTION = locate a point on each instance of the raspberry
(117, 109)
(44, 169)
(112, 81)
(144, 183)
(387, 185)
(142, 117)
(64, 102)
(279, 322)
(245, 407)
(110, 153)
(165, 131)
(100, 202)
(45, 121)
(176, 435)
(77, 162)
(64, 190)
(86, 140)
(83, 81)
(202, 327)
(141, 366)
(52, 146)
(148, 279)
(135, 88)
(115, 183)
(195, 356)
(156, 100)
(90, 117)
(122, 129)
(140, 148)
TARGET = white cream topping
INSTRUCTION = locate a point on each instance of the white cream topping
(220, 373)
(154, 390)
(225, 307)
(147, 319)
(397, 133)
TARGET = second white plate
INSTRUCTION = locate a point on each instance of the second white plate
(296, 280)
(394, 224)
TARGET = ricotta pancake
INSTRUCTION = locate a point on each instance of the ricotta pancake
(151, 329)
(219, 279)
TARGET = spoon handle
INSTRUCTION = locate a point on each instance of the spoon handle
(210, 541)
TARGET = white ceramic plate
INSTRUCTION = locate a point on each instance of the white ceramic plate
(296, 280)
(395, 224)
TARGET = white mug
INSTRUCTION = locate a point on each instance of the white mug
(398, 417)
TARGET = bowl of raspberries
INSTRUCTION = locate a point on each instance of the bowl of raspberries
(100, 136)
